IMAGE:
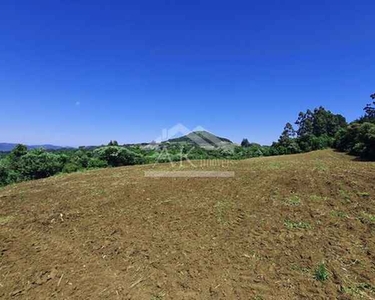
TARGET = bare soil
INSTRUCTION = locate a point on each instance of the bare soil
(115, 234)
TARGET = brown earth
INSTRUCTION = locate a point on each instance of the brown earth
(114, 234)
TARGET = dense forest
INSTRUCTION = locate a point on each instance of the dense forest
(314, 129)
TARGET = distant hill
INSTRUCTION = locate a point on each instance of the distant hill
(6, 147)
(203, 139)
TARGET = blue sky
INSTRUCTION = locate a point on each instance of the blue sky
(84, 72)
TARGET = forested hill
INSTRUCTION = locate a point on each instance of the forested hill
(7, 147)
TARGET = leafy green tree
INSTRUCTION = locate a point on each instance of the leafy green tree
(96, 163)
(287, 134)
(16, 154)
(4, 174)
(358, 139)
(116, 156)
(319, 122)
(39, 164)
(305, 123)
(19, 151)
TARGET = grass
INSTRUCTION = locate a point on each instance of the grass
(293, 201)
(158, 297)
(367, 218)
(5, 219)
(345, 195)
(296, 225)
(317, 198)
(339, 214)
(360, 290)
(298, 268)
(275, 166)
(321, 273)
(321, 167)
(364, 194)
(221, 209)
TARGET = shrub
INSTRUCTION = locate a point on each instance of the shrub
(358, 139)
(95, 163)
(39, 164)
(71, 167)
(116, 156)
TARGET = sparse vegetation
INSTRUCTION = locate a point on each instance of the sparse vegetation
(339, 214)
(317, 198)
(367, 218)
(5, 219)
(296, 225)
(321, 273)
(293, 201)
(203, 235)
(221, 210)
(361, 290)
(364, 194)
(298, 268)
(345, 195)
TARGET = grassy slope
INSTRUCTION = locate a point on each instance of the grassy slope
(115, 234)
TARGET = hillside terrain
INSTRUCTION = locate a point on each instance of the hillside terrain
(7, 147)
(201, 138)
(284, 227)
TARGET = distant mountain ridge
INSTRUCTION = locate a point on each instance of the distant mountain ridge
(6, 147)
(202, 139)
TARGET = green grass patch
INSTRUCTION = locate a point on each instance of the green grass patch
(317, 198)
(363, 194)
(344, 195)
(321, 273)
(293, 201)
(367, 218)
(296, 225)
(222, 208)
(158, 297)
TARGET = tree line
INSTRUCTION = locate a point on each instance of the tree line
(319, 129)
(313, 130)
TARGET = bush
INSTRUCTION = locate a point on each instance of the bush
(116, 156)
(358, 139)
(71, 167)
(4, 174)
(95, 163)
(39, 164)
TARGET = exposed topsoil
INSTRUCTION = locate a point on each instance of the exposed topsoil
(115, 234)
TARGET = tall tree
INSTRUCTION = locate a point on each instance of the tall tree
(305, 123)
(319, 122)
(287, 134)
(370, 109)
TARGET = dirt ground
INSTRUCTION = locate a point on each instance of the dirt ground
(115, 234)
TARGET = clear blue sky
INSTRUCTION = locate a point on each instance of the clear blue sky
(84, 72)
